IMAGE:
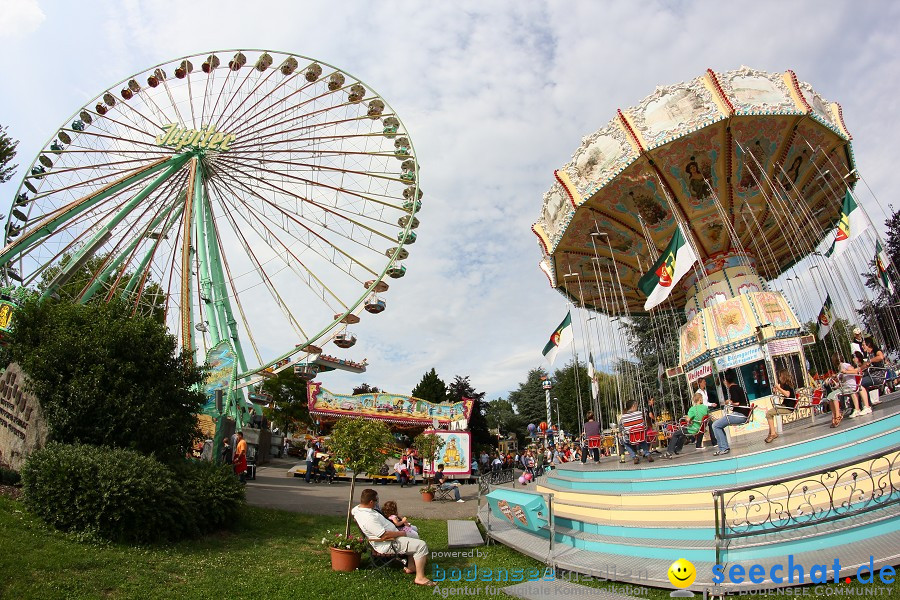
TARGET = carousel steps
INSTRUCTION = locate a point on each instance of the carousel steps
(860, 439)
(850, 542)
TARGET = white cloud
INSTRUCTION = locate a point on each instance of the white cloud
(19, 18)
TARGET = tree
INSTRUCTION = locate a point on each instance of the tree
(566, 387)
(529, 400)
(7, 153)
(152, 298)
(362, 445)
(105, 378)
(428, 445)
(461, 388)
(365, 388)
(500, 414)
(880, 316)
(290, 405)
(837, 340)
(431, 388)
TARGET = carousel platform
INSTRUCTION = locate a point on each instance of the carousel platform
(815, 493)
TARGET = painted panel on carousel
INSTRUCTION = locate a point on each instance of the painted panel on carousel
(456, 453)
(222, 370)
(693, 163)
(756, 142)
(693, 339)
(601, 156)
(387, 407)
(752, 91)
(674, 110)
(772, 307)
(729, 322)
(638, 194)
(555, 214)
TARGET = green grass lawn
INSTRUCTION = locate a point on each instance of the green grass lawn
(268, 554)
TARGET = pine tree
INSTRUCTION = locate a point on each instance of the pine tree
(7, 153)
(461, 388)
(431, 388)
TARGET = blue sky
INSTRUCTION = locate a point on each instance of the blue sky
(496, 95)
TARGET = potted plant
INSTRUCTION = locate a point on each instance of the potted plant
(428, 492)
(345, 550)
(428, 445)
(361, 445)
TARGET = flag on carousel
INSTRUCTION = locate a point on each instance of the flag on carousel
(826, 318)
(675, 261)
(559, 339)
(660, 374)
(592, 375)
(853, 222)
(882, 263)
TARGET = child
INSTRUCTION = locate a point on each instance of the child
(389, 510)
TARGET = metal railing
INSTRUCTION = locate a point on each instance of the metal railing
(853, 487)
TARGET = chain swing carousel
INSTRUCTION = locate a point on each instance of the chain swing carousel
(754, 171)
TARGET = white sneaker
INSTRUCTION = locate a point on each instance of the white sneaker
(460, 500)
(855, 414)
(866, 411)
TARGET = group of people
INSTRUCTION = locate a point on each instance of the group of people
(319, 464)
(234, 453)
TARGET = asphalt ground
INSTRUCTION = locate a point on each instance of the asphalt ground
(273, 488)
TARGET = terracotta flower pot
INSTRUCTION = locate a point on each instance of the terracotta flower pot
(344, 560)
(427, 496)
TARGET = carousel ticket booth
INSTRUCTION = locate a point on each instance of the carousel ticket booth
(735, 323)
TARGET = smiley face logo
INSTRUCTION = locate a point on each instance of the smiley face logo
(682, 573)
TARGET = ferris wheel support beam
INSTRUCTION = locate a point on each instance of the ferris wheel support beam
(138, 273)
(102, 235)
(187, 251)
(113, 264)
(57, 218)
(220, 287)
(203, 266)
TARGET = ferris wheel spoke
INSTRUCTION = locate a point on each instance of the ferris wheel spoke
(280, 124)
(103, 234)
(264, 114)
(389, 177)
(303, 180)
(307, 276)
(219, 96)
(274, 119)
(232, 117)
(266, 279)
(57, 218)
(293, 217)
(165, 207)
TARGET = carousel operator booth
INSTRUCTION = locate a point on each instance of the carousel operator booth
(734, 323)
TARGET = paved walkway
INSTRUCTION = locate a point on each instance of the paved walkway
(274, 489)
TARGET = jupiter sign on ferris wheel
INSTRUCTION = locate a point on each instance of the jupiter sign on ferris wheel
(253, 197)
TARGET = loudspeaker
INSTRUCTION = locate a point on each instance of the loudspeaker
(219, 401)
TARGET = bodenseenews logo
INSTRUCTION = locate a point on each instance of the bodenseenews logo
(797, 574)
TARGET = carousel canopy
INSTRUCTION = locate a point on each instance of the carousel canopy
(750, 163)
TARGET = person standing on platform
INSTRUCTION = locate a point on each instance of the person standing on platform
(591, 430)
(737, 398)
(310, 457)
(701, 389)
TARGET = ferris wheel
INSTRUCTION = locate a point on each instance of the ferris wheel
(254, 197)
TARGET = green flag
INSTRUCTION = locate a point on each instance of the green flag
(559, 339)
(675, 261)
(882, 263)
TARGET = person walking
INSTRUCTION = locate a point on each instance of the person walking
(240, 458)
(310, 458)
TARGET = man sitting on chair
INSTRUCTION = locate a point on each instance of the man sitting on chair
(375, 526)
(446, 484)
(634, 415)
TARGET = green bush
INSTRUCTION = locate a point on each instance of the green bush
(213, 491)
(9, 477)
(125, 496)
